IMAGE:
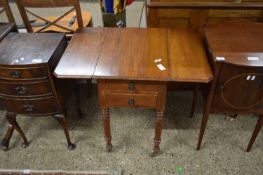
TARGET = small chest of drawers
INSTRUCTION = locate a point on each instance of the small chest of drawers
(27, 85)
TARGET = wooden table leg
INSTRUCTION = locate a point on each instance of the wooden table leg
(160, 107)
(11, 118)
(158, 132)
(107, 130)
(255, 133)
(6, 139)
(63, 122)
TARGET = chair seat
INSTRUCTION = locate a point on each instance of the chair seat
(86, 17)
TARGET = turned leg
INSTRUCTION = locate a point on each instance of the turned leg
(158, 132)
(255, 133)
(106, 127)
(195, 93)
(202, 130)
(11, 118)
(6, 139)
(63, 122)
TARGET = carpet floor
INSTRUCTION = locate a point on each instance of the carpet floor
(222, 152)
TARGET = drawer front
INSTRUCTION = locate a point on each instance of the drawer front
(131, 100)
(23, 73)
(37, 88)
(131, 86)
(32, 107)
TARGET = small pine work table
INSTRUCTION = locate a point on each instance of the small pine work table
(133, 66)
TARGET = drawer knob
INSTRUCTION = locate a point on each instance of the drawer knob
(15, 74)
(28, 107)
(131, 86)
(21, 89)
(131, 102)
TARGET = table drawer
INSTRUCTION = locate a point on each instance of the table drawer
(22, 73)
(131, 100)
(23, 89)
(32, 106)
(131, 86)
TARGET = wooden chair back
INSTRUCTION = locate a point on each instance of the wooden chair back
(23, 6)
(4, 7)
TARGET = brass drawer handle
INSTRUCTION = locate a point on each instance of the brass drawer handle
(28, 107)
(131, 101)
(15, 74)
(131, 86)
(21, 89)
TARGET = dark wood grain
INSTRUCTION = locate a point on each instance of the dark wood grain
(238, 84)
(40, 50)
(249, 42)
(130, 53)
(27, 85)
(81, 56)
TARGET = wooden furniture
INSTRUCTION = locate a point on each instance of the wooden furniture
(236, 57)
(4, 7)
(133, 66)
(195, 13)
(54, 24)
(26, 82)
(6, 28)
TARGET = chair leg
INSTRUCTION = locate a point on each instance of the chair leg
(63, 122)
(6, 139)
(255, 133)
(195, 93)
(11, 118)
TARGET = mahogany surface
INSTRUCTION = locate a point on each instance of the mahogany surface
(188, 60)
(124, 61)
(27, 85)
(130, 54)
(81, 56)
(238, 84)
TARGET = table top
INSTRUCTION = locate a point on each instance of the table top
(5, 28)
(130, 54)
(236, 42)
(80, 58)
(25, 48)
(154, 54)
